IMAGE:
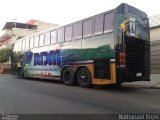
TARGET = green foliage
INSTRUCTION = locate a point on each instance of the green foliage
(4, 54)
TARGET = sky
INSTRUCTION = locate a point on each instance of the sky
(65, 11)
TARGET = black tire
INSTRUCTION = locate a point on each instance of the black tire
(84, 78)
(118, 84)
(21, 73)
(68, 76)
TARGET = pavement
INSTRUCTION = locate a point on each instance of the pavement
(153, 83)
(33, 96)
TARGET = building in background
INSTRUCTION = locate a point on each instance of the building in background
(15, 30)
(155, 43)
(155, 27)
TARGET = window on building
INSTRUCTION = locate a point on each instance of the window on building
(27, 44)
(53, 37)
(68, 33)
(60, 35)
(23, 44)
(36, 41)
(47, 38)
(108, 24)
(31, 42)
(77, 30)
(41, 40)
(87, 28)
(99, 25)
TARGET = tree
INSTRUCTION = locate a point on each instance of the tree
(5, 53)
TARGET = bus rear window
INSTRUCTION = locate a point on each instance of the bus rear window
(136, 12)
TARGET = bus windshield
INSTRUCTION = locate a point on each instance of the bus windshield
(138, 28)
(142, 29)
(139, 24)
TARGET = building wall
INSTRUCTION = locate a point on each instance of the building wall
(155, 34)
(155, 50)
(155, 57)
(17, 32)
(7, 31)
(44, 26)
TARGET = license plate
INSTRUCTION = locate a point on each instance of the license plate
(138, 74)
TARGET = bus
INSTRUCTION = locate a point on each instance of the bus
(108, 48)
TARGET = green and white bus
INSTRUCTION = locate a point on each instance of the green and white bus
(109, 48)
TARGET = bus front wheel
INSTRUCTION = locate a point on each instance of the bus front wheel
(68, 76)
(84, 78)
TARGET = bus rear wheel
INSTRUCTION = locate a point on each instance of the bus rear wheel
(68, 76)
(84, 78)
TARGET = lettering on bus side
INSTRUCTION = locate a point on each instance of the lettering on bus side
(47, 58)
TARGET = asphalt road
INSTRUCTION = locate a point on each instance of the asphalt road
(27, 96)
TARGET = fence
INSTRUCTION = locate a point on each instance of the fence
(5, 68)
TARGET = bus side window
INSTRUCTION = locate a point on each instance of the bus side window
(47, 38)
(53, 37)
(15, 47)
(27, 43)
(23, 44)
(36, 40)
(60, 35)
(68, 33)
(19, 45)
(108, 23)
(77, 30)
(41, 40)
(99, 20)
(87, 28)
(31, 42)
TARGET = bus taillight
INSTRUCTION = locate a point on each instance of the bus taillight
(122, 59)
